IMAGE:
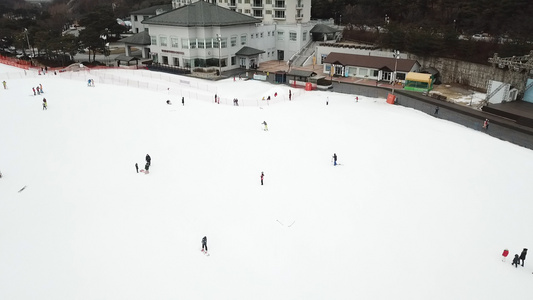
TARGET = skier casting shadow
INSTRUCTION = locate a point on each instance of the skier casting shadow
(204, 244)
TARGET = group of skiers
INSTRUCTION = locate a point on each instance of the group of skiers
(146, 166)
(38, 90)
(517, 258)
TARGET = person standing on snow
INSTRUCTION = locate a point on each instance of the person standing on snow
(183, 101)
(516, 261)
(334, 159)
(45, 105)
(437, 110)
(148, 159)
(266, 127)
(137, 167)
(523, 256)
(5, 84)
(262, 176)
(204, 244)
(34, 93)
(486, 124)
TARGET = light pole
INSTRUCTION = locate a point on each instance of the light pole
(219, 39)
(104, 39)
(396, 55)
(28, 39)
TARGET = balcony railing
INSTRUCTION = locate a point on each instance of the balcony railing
(257, 4)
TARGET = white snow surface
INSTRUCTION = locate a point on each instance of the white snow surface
(420, 208)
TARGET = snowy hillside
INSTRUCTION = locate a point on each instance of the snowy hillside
(419, 208)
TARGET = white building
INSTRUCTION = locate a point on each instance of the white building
(188, 36)
(143, 14)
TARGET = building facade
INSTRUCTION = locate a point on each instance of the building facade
(199, 34)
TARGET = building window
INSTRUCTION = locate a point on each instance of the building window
(163, 40)
(175, 42)
(145, 17)
(272, 32)
(186, 63)
(268, 2)
(279, 14)
(257, 35)
(201, 43)
(243, 39)
(224, 42)
(280, 35)
(135, 18)
(165, 60)
(154, 40)
(268, 33)
(234, 41)
(246, 1)
(176, 61)
(292, 36)
(192, 43)
(261, 35)
(233, 60)
(247, 11)
(304, 36)
(251, 36)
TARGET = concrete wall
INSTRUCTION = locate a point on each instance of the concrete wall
(475, 75)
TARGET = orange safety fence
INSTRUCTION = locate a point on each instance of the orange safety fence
(15, 62)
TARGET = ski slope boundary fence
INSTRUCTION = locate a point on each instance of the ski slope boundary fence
(174, 87)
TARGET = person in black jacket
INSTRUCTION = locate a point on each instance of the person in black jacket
(516, 261)
(523, 256)
(148, 159)
(334, 159)
(204, 243)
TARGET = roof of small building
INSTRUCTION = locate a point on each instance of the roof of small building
(126, 58)
(249, 51)
(373, 62)
(301, 73)
(419, 77)
(141, 38)
(321, 28)
(153, 10)
(201, 14)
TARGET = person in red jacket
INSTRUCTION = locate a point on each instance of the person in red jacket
(504, 254)
(262, 175)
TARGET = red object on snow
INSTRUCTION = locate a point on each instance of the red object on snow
(505, 253)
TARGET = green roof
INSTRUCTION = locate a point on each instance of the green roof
(201, 14)
(249, 51)
(141, 38)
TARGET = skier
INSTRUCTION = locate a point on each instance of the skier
(5, 84)
(262, 176)
(504, 254)
(45, 105)
(41, 88)
(523, 256)
(266, 127)
(34, 93)
(327, 100)
(215, 98)
(516, 261)
(486, 124)
(169, 103)
(137, 167)
(38, 91)
(183, 101)
(204, 244)
(436, 110)
(290, 95)
(356, 99)
(146, 167)
(89, 82)
(148, 159)
(334, 159)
